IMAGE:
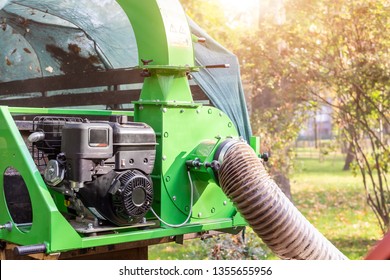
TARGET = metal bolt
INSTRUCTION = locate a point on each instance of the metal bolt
(7, 226)
(181, 111)
(164, 158)
(164, 110)
(141, 108)
(90, 226)
(225, 203)
(213, 210)
(199, 215)
(174, 198)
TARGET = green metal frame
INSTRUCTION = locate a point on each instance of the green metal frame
(185, 130)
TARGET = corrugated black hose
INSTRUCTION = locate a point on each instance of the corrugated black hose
(267, 210)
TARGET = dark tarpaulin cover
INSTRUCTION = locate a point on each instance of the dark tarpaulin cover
(44, 38)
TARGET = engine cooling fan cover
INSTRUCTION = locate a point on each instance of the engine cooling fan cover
(133, 196)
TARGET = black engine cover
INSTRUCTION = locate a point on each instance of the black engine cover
(122, 198)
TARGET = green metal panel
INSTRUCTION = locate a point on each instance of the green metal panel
(161, 31)
(181, 131)
(51, 111)
(184, 130)
(164, 38)
(47, 220)
(172, 87)
(255, 144)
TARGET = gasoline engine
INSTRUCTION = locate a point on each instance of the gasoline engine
(102, 168)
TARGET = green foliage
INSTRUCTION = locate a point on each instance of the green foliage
(334, 53)
(320, 52)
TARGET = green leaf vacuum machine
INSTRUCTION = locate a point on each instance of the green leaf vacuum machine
(168, 167)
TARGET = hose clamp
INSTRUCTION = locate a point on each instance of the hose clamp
(223, 149)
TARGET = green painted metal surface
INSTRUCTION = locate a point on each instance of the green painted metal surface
(49, 226)
(50, 111)
(181, 131)
(161, 31)
(211, 210)
(255, 144)
(185, 131)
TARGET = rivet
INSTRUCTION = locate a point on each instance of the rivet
(174, 198)
(181, 111)
(167, 179)
(213, 210)
(164, 158)
(210, 111)
(230, 124)
(225, 203)
(199, 215)
(164, 110)
(166, 134)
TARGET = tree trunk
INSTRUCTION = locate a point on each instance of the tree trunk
(283, 182)
(349, 159)
(315, 133)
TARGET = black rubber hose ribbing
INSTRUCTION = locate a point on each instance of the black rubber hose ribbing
(268, 211)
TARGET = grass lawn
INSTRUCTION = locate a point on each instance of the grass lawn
(332, 200)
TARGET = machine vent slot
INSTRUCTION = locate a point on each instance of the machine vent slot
(48, 148)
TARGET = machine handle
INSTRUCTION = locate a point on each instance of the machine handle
(30, 249)
(217, 66)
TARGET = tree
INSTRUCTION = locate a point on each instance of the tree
(209, 16)
(336, 53)
(322, 52)
(350, 51)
